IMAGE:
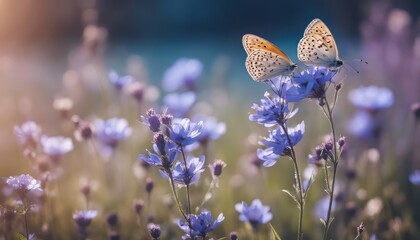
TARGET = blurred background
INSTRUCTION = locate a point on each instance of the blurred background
(55, 48)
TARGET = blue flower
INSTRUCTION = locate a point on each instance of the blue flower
(271, 111)
(183, 73)
(321, 208)
(151, 120)
(255, 214)
(184, 132)
(56, 146)
(199, 226)
(179, 104)
(310, 83)
(371, 98)
(119, 82)
(28, 133)
(415, 177)
(165, 156)
(212, 129)
(23, 184)
(277, 143)
(187, 176)
(363, 125)
(111, 131)
(84, 217)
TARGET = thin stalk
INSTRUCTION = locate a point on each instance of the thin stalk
(188, 186)
(297, 178)
(178, 203)
(26, 219)
(335, 164)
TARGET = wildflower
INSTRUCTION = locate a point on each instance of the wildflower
(212, 129)
(179, 104)
(56, 146)
(112, 219)
(187, 176)
(119, 82)
(371, 98)
(136, 90)
(184, 132)
(415, 177)
(83, 220)
(255, 214)
(151, 120)
(183, 73)
(166, 153)
(23, 184)
(63, 105)
(271, 111)
(415, 108)
(278, 143)
(138, 205)
(310, 83)
(154, 230)
(199, 225)
(233, 236)
(363, 125)
(217, 167)
(111, 131)
(321, 208)
(28, 133)
(149, 185)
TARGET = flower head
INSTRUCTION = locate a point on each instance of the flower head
(23, 184)
(184, 132)
(111, 131)
(212, 129)
(154, 230)
(371, 98)
(179, 104)
(200, 225)
(119, 82)
(278, 142)
(415, 177)
(272, 110)
(164, 157)
(56, 146)
(152, 120)
(255, 214)
(183, 73)
(187, 176)
(28, 133)
(83, 219)
(363, 125)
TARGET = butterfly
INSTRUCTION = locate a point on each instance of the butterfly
(318, 47)
(265, 60)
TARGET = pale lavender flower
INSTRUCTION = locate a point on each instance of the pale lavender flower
(56, 146)
(371, 98)
(362, 125)
(212, 129)
(23, 184)
(187, 176)
(28, 133)
(179, 104)
(184, 132)
(255, 214)
(415, 177)
(112, 131)
(119, 82)
(83, 219)
(182, 74)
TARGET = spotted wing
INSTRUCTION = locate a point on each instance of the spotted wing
(318, 47)
(252, 42)
(263, 65)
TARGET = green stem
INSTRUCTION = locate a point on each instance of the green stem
(178, 203)
(188, 186)
(298, 180)
(335, 164)
(26, 219)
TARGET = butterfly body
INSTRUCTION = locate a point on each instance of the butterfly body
(318, 48)
(265, 60)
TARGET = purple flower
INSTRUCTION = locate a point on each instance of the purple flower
(154, 230)
(271, 111)
(371, 98)
(111, 131)
(310, 83)
(212, 129)
(277, 143)
(321, 208)
(83, 219)
(56, 146)
(183, 73)
(415, 177)
(165, 156)
(151, 120)
(362, 125)
(179, 104)
(23, 184)
(119, 82)
(199, 225)
(255, 214)
(187, 176)
(28, 133)
(184, 132)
